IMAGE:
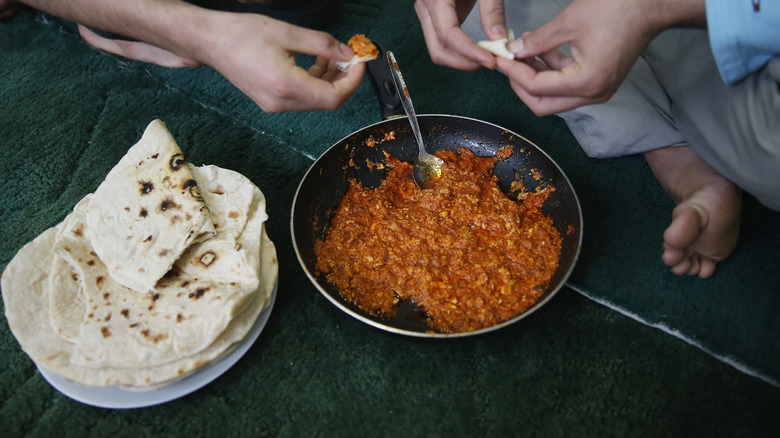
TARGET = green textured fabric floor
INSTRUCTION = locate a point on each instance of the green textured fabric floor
(587, 364)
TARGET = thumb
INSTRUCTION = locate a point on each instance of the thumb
(537, 42)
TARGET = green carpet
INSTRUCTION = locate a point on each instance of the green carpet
(575, 368)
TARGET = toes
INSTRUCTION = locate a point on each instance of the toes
(683, 267)
(682, 233)
(672, 256)
(707, 268)
(685, 228)
(695, 265)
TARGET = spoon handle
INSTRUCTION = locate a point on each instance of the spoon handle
(406, 100)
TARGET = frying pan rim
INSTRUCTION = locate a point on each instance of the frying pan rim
(537, 305)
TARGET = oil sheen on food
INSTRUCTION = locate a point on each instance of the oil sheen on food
(463, 251)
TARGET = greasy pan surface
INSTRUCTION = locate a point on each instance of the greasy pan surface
(326, 182)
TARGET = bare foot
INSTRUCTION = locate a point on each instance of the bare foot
(705, 223)
(136, 50)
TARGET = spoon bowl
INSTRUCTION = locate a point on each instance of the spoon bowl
(426, 169)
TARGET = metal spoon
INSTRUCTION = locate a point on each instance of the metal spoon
(427, 168)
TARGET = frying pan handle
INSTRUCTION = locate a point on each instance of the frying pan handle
(381, 78)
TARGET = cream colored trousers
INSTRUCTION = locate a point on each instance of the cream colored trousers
(674, 96)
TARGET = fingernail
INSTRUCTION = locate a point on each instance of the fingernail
(345, 49)
(516, 47)
(498, 31)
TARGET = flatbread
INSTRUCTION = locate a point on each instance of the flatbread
(67, 307)
(182, 316)
(498, 47)
(364, 49)
(25, 290)
(71, 316)
(147, 211)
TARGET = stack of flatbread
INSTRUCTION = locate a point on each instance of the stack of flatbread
(162, 270)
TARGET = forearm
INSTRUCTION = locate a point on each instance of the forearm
(171, 24)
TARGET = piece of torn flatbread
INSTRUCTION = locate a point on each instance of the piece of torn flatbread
(498, 47)
(363, 48)
(147, 211)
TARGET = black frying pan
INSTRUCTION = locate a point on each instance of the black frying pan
(327, 180)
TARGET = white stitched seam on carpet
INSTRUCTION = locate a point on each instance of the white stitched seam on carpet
(663, 327)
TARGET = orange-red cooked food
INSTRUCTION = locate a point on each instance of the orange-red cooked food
(362, 46)
(462, 250)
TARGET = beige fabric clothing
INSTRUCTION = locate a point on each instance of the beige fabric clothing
(675, 96)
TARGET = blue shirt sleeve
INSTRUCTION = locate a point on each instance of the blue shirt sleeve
(742, 38)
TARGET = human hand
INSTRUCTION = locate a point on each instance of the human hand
(605, 37)
(257, 55)
(447, 43)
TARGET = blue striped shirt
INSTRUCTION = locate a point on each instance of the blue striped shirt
(744, 35)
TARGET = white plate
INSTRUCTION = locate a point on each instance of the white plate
(117, 398)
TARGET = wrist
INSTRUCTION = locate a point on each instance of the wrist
(676, 13)
(185, 29)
